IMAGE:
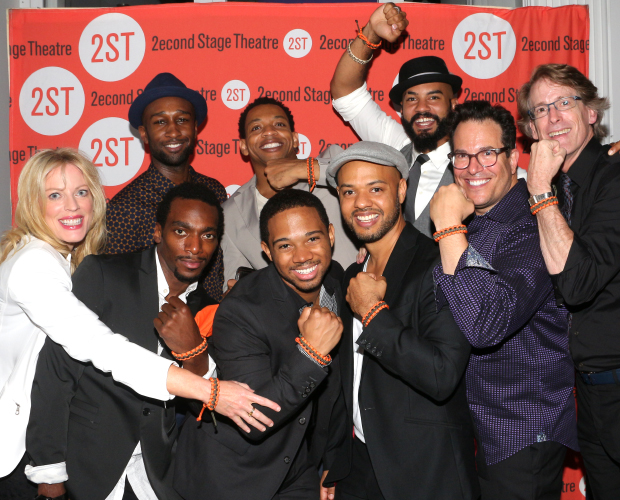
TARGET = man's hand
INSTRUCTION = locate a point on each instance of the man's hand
(546, 159)
(176, 326)
(236, 400)
(387, 22)
(51, 490)
(287, 172)
(449, 207)
(326, 493)
(364, 291)
(320, 327)
(615, 147)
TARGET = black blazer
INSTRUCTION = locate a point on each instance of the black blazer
(254, 342)
(416, 421)
(80, 415)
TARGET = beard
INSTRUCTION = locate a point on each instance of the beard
(388, 223)
(426, 142)
(170, 160)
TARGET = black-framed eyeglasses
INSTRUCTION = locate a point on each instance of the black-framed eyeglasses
(486, 157)
(562, 104)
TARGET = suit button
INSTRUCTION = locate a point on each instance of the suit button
(146, 412)
(287, 460)
(308, 390)
(302, 420)
(576, 333)
(374, 350)
(312, 384)
(379, 354)
(304, 395)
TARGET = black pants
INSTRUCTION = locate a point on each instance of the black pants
(361, 483)
(534, 473)
(15, 486)
(598, 423)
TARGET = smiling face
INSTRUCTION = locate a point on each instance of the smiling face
(485, 187)
(300, 247)
(170, 129)
(187, 241)
(268, 135)
(370, 198)
(571, 128)
(68, 204)
(425, 109)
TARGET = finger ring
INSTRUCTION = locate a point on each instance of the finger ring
(250, 413)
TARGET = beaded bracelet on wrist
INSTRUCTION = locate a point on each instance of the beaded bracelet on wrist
(357, 59)
(193, 353)
(213, 400)
(313, 353)
(458, 229)
(374, 310)
(310, 168)
(548, 202)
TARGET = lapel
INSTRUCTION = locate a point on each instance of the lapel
(149, 300)
(399, 261)
(423, 223)
(246, 204)
(346, 350)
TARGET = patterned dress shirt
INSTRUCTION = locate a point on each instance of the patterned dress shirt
(130, 219)
(520, 376)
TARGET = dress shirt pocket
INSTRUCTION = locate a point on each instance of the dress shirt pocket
(83, 413)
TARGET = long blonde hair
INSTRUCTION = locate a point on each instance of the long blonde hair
(30, 210)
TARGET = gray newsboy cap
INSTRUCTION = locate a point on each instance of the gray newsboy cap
(372, 152)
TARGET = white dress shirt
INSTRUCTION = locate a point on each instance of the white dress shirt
(371, 123)
(35, 301)
(358, 360)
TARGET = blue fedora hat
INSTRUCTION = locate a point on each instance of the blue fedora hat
(166, 85)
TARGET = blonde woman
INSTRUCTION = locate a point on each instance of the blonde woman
(59, 219)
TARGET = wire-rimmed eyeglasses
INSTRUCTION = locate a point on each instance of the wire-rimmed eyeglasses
(562, 104)
(486, 157)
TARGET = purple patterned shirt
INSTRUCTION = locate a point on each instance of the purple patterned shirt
(520, 375)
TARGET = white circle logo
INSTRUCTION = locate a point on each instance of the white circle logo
(582, 486)
(112, 47)
(235, 94)
(484, 45)
(114, 148)
(297, 43)
(305, 147)
(230, 190)
(51, 101)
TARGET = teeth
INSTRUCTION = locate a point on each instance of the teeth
(175, 145)
(422, 120)
(71, 222)
(479, 182)
(271, 145)
(308, 270)
(559, 132)
(366, 218)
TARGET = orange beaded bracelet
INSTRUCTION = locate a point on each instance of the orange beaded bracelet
(374, 310)
(311, 179)
(458, 229)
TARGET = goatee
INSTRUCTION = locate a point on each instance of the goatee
(425, 142)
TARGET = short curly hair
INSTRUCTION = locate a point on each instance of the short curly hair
(260, 101)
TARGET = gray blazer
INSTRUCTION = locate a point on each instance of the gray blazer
(241, 240)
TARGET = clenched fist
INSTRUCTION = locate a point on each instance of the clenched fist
(364, 291)
(320, 327)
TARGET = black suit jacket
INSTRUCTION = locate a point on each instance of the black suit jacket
(80, 415)
(416, 421)
(254, 342)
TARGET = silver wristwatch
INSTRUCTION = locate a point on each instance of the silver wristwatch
(537, 198)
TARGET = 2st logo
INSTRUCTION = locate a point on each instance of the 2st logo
(115, 150)
(51, 101)
(297, 43)
(235, 94)
(112, 47)
(484, 45)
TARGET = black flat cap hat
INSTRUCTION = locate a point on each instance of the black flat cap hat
(166, 85)
(426, 69)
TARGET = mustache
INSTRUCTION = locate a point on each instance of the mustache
(417, 116)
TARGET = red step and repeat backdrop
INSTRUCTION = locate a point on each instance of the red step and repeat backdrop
(75, 72)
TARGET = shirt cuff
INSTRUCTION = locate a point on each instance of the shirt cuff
(49, 474)
(351, 104)
(212, 372)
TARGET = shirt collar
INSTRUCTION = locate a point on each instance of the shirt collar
(512, 206)
(162, 284)
(579, 172)
(438, 157)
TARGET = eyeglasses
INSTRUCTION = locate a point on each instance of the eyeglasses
(486, 158)
(562, 104)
